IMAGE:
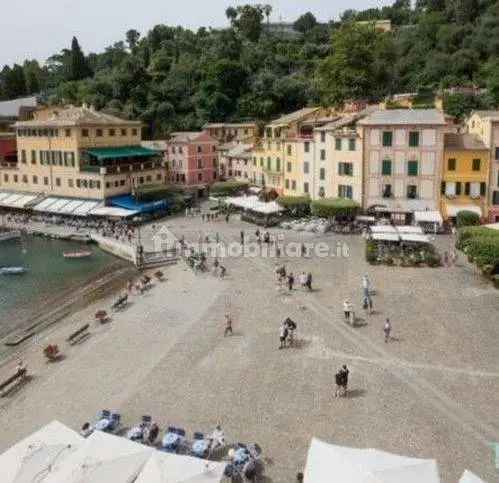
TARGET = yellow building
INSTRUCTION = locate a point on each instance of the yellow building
(465, 175)
(277, 162)
(81, 153)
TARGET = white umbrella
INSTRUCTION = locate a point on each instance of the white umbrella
(469, 477)
(36, 454)
(327, 462)
(103, 458)
(171, 468)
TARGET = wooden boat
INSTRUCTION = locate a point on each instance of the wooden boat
(79, 254)
(9, 235)
(12, 270)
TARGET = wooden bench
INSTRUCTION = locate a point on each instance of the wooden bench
(17, 378)
(79, 335)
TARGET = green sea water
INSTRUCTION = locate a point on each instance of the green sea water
(49, 280)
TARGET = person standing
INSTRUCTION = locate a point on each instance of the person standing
(228, 325)
(347, 309)
(291, 281)
(309, 281)
(345, 376)
(387, 329)
(303, 279)
(303, 250)
(283, 334)
(242, 237)
(366, 285)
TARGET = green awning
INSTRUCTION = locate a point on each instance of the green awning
(121, 152)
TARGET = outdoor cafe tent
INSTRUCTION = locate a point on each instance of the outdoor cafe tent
(469, 477)
(252, 203)
(383, 229)
(386, 237)
(328, 462)
(428, 216)
(102, 458)
(34, 455)
(172, 468)
(414, 238)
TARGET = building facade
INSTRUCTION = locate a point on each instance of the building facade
(485, 124)
(8, 150)
(243, 132)
(81, 153)
(238, 163)
(192, 159)
(465, 175)
(403, 150)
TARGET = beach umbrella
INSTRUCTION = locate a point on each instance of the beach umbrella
(35, 455)
(327, 462)
(469, 477)
(102, 458)
(172, 468)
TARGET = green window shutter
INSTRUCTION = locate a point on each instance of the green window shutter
(386, 169)
(451, 164)
(476, 165)
(278, 164)
(337, 144)
(467, 188)
(414, 139)
(387, 138)
(412, 168)
(483, 189)
(458, 189)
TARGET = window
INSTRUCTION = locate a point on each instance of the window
(323, 154)
(112, 132)
(451, 164)
(134, 132)
(467, 189)
(306, 167)
(200, 164)
(351, 144)
(25, 178)
(68, 133)
(293, 186)
(476, 165)
(15, 178)
(23, 156)
(289, 149)
(286, 184)
(412, 168)
(148, 178)
(323, 137)
(35, 179)
(412, 191)
(70, 183)
(387, 191)
(124, 132)
(33, 157)
(122, 181)
(6, 177)
(413, 139)
(322, 174)
(337, 144)
(98, 133)
(278, 164)
(458, 189)
(386, 167)
(269, 163)
(200, 149)
(307, 147)
(261, 162)
(45, 181)
(58, 181)
(483, 189)
(200, 176)
(305, 187)
(345, 169)
(497, 154)
(345, 191)
(288, 167)
(387, 138)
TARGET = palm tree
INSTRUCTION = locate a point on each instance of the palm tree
(267, 10)
(231, 14)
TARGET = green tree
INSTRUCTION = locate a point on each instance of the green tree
(249, 21)
(132, 38)
(77, 68)
(305, 23)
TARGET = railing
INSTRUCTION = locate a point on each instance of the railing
(8, 165)
(123, 168)
(90, 169)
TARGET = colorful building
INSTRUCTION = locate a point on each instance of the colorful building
(78, 152)
(402, 151)
(237, 163)
(192, 159)
(8, 150)
(485, 124)
(243, 132)
(465, 175)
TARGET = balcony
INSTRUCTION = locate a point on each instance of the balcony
(8, 165)
(121, 168)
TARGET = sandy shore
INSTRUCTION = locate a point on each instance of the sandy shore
(432, 392)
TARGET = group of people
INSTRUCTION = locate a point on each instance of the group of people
(304, 279)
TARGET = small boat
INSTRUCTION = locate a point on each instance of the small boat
(12, 270)
(9, 235)
(79, 254)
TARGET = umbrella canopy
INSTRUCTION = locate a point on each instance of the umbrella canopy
(327, 462)
(102, 458)
(172, 468)
(469, 477)
(34, 455)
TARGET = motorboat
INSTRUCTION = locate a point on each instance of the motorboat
(78, 254)
(9, 235)
(12, 270)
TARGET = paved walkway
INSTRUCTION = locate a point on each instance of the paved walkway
(431, 392)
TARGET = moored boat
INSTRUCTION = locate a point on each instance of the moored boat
(78, 254)
(9, 235)
(12, 270)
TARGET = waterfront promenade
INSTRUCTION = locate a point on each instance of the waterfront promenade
(431, 392)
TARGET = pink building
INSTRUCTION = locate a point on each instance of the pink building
(192, 159)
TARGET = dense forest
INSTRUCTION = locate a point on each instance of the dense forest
(174, 79)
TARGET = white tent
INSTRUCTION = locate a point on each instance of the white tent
(171, 468)
(102, 458)
(428, 216)
(35, 454)
(469, 477)
(327, 463)
(252, 203)
(383, 229)
(454, 209)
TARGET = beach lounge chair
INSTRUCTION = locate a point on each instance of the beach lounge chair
(114, 422)
(200, 446)
(173, 440)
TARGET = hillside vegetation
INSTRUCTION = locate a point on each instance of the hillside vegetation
(173, 79)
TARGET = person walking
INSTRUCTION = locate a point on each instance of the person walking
(228, 325)
(303, 280)
(303, 250)
(345, 376)
(291, 281)
(283, 334)
(387, 329)
(309, 281)
(366, 285)
(242, 237)
(223, 271)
